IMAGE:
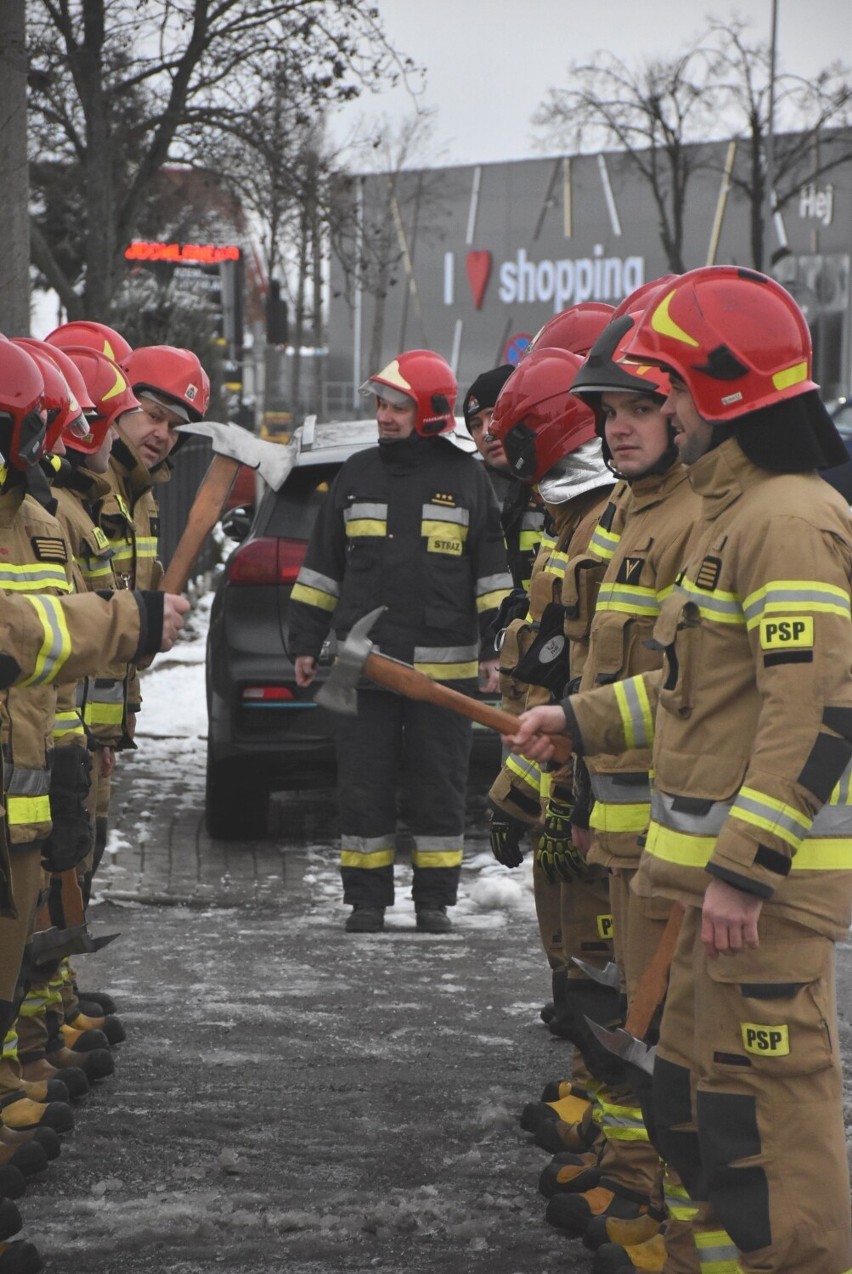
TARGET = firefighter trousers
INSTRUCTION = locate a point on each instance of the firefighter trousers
(433, 745)
(748, 1099)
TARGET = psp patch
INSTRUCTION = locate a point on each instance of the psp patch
(49, 548)
(787, 639)
(765, 1041)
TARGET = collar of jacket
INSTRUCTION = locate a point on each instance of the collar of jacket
(72, 475)
(721, 476)
(405, 454)
(582, 470)
(139, 478)
(651, 488)
(11, 499)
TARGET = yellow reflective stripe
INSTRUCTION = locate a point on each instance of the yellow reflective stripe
(27, 809)
(56, 646)
(490, 601)
(556, 564)
(33, 578)
(446, 530)
(529, 772)
(717, 1254)
(790, 376)
(313, 597)
(10, 1044)
(146, 546)
(436, 858)
(528, 540)
(603, 543)
(796, 595)
(366, 526)
(619, 818)
(662, 322)
(103, 713)
(771, 815)
(684, 850)
(628, 599)
(634, 706)
(379, 858)
(717, 604)
(449, 672)
(96, 574)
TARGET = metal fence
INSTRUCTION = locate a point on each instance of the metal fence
(175, 499)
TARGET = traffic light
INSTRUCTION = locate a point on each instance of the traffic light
(276, 315)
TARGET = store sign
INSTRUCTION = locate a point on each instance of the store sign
(174, 253)
(563, 282)
(817, 205)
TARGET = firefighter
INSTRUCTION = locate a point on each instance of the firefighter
(521, 510)
(413, 525)
(657, 518)
(751, 722)
(549, 439)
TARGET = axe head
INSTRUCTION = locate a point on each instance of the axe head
(272, 460)
(624, 1045)
(339, 692)
(609, 975)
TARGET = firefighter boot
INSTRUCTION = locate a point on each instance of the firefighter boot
(25, 1160)
(556, 1089)
(95, 1003)
(365, 920)
(110, 1026)
(570, 1108)
(21, 1114)
(96, 1064)
(649, 1256)
(84, 1041)
(10, 1219)
(569, 1172)
(35, 1069)
(13, 1184)
(556, 1135)
(573, 1212)
(16, 1139)
(19, 1257)
(628, 1233)
(432, 919)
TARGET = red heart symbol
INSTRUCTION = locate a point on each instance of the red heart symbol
(478, 265)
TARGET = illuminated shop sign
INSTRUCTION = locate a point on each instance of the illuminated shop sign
(203, 253)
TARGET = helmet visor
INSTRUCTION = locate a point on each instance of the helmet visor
(519, 445)
(390, 393)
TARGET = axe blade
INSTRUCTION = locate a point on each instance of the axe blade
(609, 975)
(273, 460)
(624, 1045)
(339, 691)
(52, 944)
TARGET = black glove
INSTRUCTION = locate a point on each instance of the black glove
(71, 836)
(555, 854)
(506, 834)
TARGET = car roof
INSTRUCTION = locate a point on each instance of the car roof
(337, 440)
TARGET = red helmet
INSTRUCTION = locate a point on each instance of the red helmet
(421, 377)
(639, 298)
(60, 403)
(83, 332)
(574, 329)
(605, 370)
(23, 419)
(736, 338)
(536, 418)
(66, 365)
(173, 376)
(110, 393)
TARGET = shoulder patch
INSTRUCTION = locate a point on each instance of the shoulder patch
(101, 540)
(49, 548)
(630, 570)
(442, 497)
(708, 574)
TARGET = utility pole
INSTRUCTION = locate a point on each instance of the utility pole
(14, 172)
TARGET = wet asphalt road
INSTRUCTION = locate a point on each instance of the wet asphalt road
(290, 1097)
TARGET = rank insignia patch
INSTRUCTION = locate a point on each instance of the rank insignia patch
(49, 548)
(630, 570)
(708, 574)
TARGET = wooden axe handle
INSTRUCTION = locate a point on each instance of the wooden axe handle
(205, 512)
(416, 685)
(73, 911)
(653, 983)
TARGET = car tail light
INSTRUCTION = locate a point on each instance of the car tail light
(266, 561)
(267, 694)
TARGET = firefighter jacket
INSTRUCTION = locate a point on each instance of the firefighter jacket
(657, 518)
(129, 517)
(413, 526)
(751, 714)
(521, 785)
(35, 559)
(522, 517)
(101, 700)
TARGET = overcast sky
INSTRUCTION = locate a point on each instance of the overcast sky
(490, 62)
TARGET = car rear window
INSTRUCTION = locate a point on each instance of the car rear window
(295, 510)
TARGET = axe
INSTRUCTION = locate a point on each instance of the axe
(54, 943)
(232, 447)
(626, 1042)
(609, 975)
(357, 658)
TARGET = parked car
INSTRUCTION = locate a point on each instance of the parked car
(264, 732)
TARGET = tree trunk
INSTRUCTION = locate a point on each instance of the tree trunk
(14, 175)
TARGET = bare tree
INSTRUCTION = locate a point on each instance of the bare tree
(14, 210)
(137, 87)
(809, 116)
(652, 113)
